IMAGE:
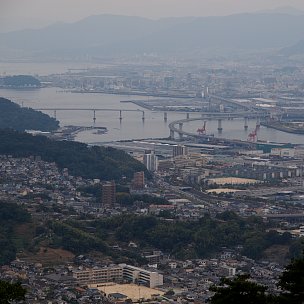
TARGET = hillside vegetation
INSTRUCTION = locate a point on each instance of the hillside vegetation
(14, 117)
(104, 163)
(182, 239)
(11, 215)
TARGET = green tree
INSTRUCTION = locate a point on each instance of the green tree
(292, 283)
(170, 293)
(239, 291)
(104, 163)
(10, 215)
(11, 292)
(254, 245)
(296, 248)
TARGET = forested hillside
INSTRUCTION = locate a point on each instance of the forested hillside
(11, 215)
(15, 117)
(182, 239)
(104, 163)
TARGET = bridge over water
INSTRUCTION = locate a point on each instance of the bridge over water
(215, 116)
(94, 110)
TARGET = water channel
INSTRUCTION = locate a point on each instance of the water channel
(131, 126)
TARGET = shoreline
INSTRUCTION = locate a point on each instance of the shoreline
(282, 129)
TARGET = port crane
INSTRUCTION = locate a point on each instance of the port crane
(253, 136)
(202, 131)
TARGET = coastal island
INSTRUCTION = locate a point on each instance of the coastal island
(20, 81)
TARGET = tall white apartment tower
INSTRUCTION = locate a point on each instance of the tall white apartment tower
(151, 161)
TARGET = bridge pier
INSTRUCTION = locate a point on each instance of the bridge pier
(143, 116)
(180, 126)
(94, 117)
(219, 125)
(258, 123)
(55, 114)
(171, 134)
(246, 123)
(120, 115)
(188, 115)
(165, 116)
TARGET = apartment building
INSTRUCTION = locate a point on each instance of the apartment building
(99, 275)
(118, 273)
(134, 274)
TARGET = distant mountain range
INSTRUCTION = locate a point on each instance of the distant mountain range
(283, 10)
(296, 49)
(110, 35)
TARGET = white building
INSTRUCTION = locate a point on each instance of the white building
(283, 152)
(118, 274)
(142, 276)
(227, 271)
(151, 161)
(99, 275)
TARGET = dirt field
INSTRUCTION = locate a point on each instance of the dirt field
(48, 256)
(232, 181)
(132, 291)
(277, 253)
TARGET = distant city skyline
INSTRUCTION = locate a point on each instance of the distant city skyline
(16, 14)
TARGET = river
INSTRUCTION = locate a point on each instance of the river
(131, 126)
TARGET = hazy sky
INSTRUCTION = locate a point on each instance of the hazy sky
(16, 14)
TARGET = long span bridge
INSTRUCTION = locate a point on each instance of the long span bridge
(94, 110)
(207, 115)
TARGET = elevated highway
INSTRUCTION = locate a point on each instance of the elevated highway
(177, 125)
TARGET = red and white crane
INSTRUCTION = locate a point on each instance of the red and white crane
(202, 131)
(253, 136)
